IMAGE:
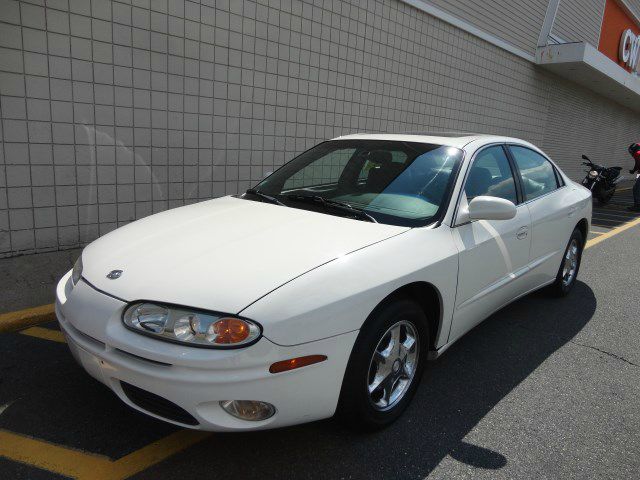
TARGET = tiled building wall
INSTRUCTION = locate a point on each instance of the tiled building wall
(582, 122)
(579, 20)
(517, 22)
(113, 110)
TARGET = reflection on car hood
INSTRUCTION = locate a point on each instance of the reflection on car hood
(221, 254)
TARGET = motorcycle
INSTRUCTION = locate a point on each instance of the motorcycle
(602, 181)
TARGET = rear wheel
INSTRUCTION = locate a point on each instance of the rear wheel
(605, 196)
(385, 366)
(568, 272)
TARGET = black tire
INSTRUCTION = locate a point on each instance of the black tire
(355, 407)
(561, 288)
(605, 198)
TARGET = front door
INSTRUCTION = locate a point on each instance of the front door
(494, 254)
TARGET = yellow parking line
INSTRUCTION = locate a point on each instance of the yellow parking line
(611, 233)
(25, 318)
(81, 465)
(154, 453)
(45, 333)
(48, 456)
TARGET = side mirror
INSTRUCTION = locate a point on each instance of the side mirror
(584, 157)
(491, 208)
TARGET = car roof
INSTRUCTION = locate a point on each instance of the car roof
(451, 139)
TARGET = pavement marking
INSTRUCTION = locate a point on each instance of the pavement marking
(51, 457)
(612, 232)
(154, 453)
(44, 333)
(81, 465)
(20, 319)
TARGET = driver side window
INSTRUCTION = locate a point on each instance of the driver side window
(491, 175)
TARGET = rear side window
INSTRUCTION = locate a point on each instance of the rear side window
(537, 173)
(491, 175)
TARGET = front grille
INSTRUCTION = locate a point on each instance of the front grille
(157, 405)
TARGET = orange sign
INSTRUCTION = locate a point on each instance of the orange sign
(619, 36)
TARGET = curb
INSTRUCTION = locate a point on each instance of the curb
(12, 321)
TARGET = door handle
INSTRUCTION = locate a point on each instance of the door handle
(522, 233)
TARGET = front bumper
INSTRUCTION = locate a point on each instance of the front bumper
(184, 385)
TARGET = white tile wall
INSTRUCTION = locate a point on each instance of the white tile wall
(579, 121)
(579, 20)
(113, 110)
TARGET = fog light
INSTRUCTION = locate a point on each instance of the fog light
(250, 410)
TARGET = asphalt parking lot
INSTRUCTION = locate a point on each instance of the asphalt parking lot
(546, 388)
(614, 214)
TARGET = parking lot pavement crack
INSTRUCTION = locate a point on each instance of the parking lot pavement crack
(617, 357)
(613, 355)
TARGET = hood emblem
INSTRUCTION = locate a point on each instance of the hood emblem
(114, 274)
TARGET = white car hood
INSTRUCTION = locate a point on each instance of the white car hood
(221, 254)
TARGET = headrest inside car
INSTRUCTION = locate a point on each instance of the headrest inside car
(379, 156)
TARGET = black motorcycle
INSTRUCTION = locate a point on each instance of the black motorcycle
(602, 181)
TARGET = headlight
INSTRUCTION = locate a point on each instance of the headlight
(593, 174)
(190, 327)
(76, 274)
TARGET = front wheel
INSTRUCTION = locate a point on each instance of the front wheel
(605, 196)
(385, 366)
(568, 272)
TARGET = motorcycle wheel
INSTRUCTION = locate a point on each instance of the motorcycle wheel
(605, 197)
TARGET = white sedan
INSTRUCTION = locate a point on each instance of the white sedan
(327, 287)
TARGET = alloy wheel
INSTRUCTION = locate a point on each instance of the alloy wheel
(570, 266)
(393, 365)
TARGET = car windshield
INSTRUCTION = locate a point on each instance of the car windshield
(392, 182)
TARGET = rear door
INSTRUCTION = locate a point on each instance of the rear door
(551, 210)
(493, 253)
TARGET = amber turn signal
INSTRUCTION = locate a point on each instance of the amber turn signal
(230, 330)
(294, 363)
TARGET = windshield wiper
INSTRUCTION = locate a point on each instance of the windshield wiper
(264, 196)
(327, 203)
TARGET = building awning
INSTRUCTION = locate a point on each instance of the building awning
(582, 63)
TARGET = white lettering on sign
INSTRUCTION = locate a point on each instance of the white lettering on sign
(630, 49)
